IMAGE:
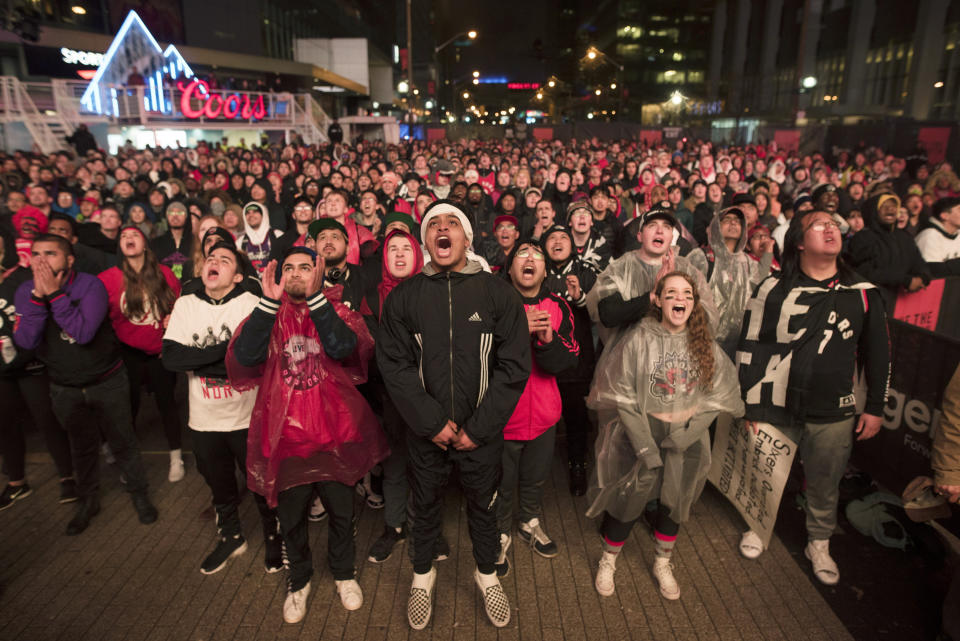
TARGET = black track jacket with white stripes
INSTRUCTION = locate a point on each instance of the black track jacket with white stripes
(455, 346)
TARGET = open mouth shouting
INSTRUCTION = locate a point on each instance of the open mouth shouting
(444, 245)
(677, 311)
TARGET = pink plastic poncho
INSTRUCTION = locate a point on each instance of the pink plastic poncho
(309, 422)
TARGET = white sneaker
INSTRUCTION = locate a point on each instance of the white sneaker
(295, 607)
(351, 596)
(177, 470)
(663, 571)
(494, 598)
(317, 511)
(420, 603)
(608, 566)
(824, 567)
(751, 547)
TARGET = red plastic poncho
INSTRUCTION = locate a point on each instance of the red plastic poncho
(309, 422)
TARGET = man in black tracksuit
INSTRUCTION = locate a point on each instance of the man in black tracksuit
(454, 352)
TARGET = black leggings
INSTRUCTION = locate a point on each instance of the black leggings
(34, 392)
(162, 382)
(575, 418)
(616, 531)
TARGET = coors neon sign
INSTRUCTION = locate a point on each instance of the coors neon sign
(218, 106)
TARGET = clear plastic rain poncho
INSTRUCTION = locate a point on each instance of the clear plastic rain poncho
(630, 277)
(732, 281)
(653, 422)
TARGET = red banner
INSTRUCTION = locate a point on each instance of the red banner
(787, 139)
(921, 308)
(651, 136)
(436, 133)
(543, 133)
(934, 141)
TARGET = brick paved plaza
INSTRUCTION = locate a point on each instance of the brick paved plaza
(123, 580)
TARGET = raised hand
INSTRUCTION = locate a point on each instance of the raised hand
(573, 287)
(315, 284)
(272, 289)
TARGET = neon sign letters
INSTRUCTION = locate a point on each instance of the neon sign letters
(86, 58)
(214, 105)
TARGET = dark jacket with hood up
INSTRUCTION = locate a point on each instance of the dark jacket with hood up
(886, 256)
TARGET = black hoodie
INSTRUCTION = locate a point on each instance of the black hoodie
(886, 256)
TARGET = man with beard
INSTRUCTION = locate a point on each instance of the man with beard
(174, 248)
(329, 239)
(62, 315)
(591, 247)
(456, 378)
(311, 431)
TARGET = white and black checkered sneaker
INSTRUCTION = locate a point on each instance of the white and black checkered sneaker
(420, 603)
(494, 598)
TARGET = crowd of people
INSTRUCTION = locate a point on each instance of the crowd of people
(369, 317)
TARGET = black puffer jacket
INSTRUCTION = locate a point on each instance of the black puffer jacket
(454, 346)
(886, 256)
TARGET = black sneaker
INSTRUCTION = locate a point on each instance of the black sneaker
(382, 548)
(68, 491)
(145, 510)
(578, 479)
(227, 548)
(13, 493)
(86, 510)
(273, 552)
(532, 534)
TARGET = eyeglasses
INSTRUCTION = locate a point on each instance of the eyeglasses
(823, 225)
(303, 208)
(509, 226)
(527, 252)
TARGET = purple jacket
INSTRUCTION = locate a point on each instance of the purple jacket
(68, 330)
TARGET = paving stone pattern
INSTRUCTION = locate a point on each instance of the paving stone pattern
(121, 580)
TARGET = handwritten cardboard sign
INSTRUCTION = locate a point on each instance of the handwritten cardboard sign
(751, 470)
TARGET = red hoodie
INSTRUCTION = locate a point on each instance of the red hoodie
(540, 405)
(146, 333)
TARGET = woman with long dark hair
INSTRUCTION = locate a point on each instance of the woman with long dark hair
(656, 391)
(141, 295)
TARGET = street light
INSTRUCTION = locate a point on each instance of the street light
(476, 74)
(613, 85)
(591, 53)
(476, 81)
(466, 95)
(809, 82)
(676, 98)
(472, 34)
(552, 83)
(598, 92)
(938, 84)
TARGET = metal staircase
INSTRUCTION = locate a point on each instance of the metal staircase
(310, 120)
(48, 128)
